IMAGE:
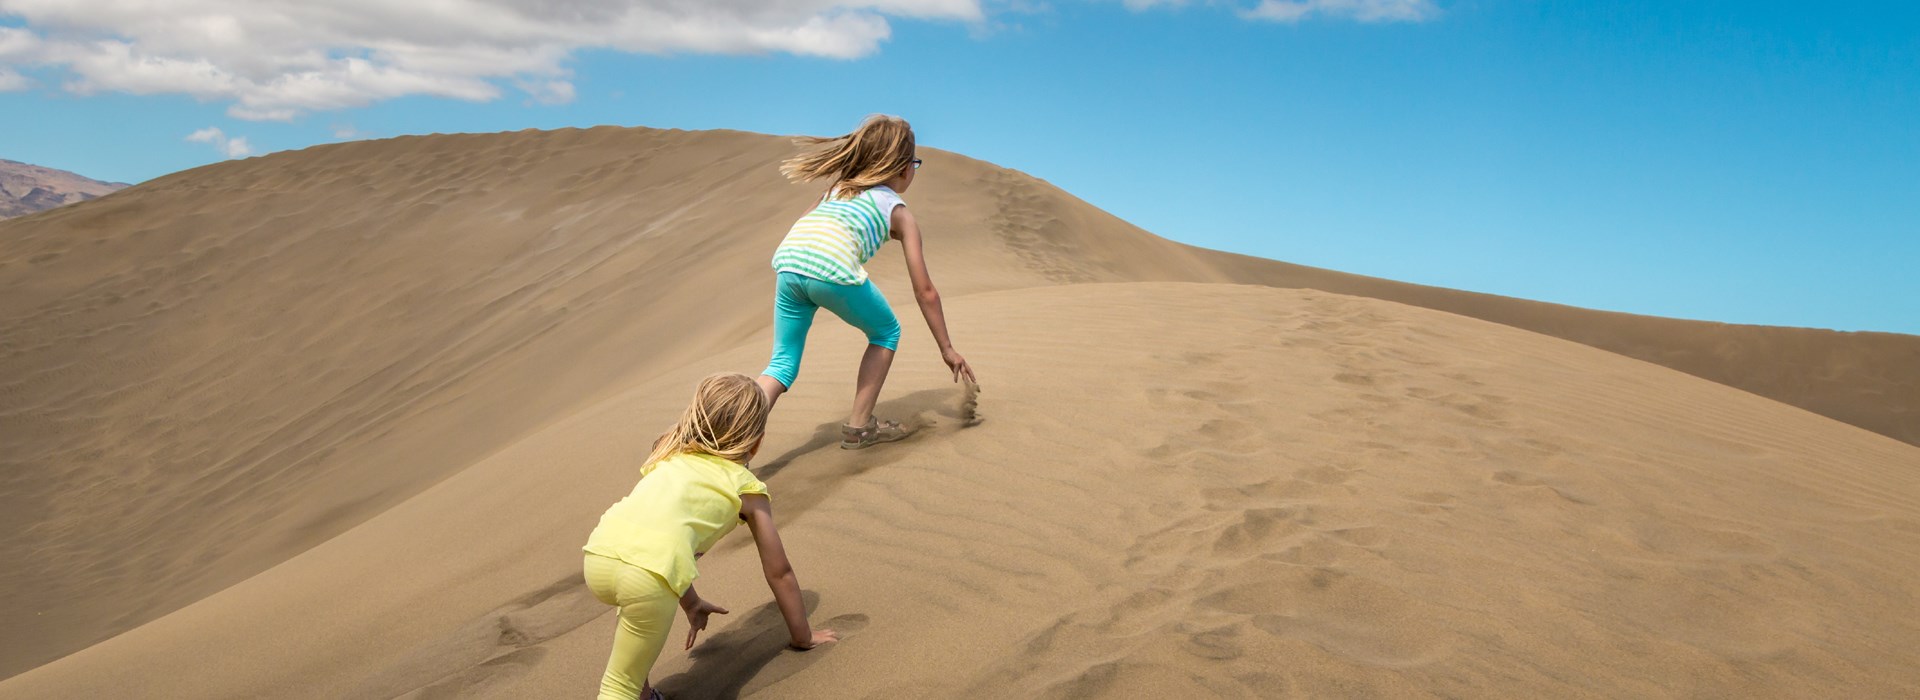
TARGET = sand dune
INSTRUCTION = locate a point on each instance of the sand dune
(385, 388)
(1397, 502)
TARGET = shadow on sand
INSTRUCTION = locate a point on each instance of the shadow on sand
(928, 413)
(753, 651)
(926, 409)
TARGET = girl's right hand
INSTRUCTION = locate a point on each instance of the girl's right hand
(697, 617)
(959, 365)
(819, 637)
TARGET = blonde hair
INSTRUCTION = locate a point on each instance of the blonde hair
(872, 154)
(726, 419)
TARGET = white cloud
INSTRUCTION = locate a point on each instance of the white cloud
(231, 147)
(346, 132)
(549, 92)
(236, 148)
(277, 59)
(258, 114)
(1297, 10)
(16, 43)
(1357, 10)
(11, 80)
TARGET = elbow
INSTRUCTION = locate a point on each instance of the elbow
(928, 296)
(776, 574)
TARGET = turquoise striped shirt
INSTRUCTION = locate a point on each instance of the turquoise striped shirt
(833, 242)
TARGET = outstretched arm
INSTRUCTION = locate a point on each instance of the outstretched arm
(773, 562)
(908, 231)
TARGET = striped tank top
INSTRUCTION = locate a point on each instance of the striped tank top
(834, 241)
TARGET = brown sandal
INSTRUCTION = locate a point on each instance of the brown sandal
(875, 432)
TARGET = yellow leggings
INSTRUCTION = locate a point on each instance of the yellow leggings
(646, 607)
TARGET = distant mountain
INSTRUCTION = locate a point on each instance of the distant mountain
(25, 189)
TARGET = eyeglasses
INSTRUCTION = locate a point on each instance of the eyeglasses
(916, 164)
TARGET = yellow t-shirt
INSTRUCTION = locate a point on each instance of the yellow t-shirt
(681, 508)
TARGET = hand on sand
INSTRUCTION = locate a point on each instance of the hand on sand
(697, 618)
(959, 365)
(819, 637)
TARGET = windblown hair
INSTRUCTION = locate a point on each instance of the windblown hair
(872, 154)
(726, 420)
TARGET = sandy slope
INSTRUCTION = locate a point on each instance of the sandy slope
(1279, 491)
(218, 370)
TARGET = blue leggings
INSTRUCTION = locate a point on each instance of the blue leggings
(797, 296)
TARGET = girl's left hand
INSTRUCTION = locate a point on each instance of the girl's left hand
(956, 363)
(697, 618)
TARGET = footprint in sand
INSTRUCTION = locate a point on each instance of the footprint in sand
(1354, 379)
(506, 640)
(1218, 643)
(1523, 479)
(1365, 537)
(1327, 474)
(1368, 644)
(1351, 616)
(1277, 490)
(1257, 530)
(847, 624)
(1431, 502)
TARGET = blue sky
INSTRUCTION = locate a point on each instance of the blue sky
(1748, 162)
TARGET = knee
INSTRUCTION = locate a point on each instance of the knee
(887, 335)
(619, 688)
(783, 370)
(784, 366)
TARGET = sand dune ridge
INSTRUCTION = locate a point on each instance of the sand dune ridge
(422, 362)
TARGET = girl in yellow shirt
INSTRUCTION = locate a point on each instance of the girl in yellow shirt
(693, 490)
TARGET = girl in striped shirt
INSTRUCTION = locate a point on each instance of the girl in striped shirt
(820, 265)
